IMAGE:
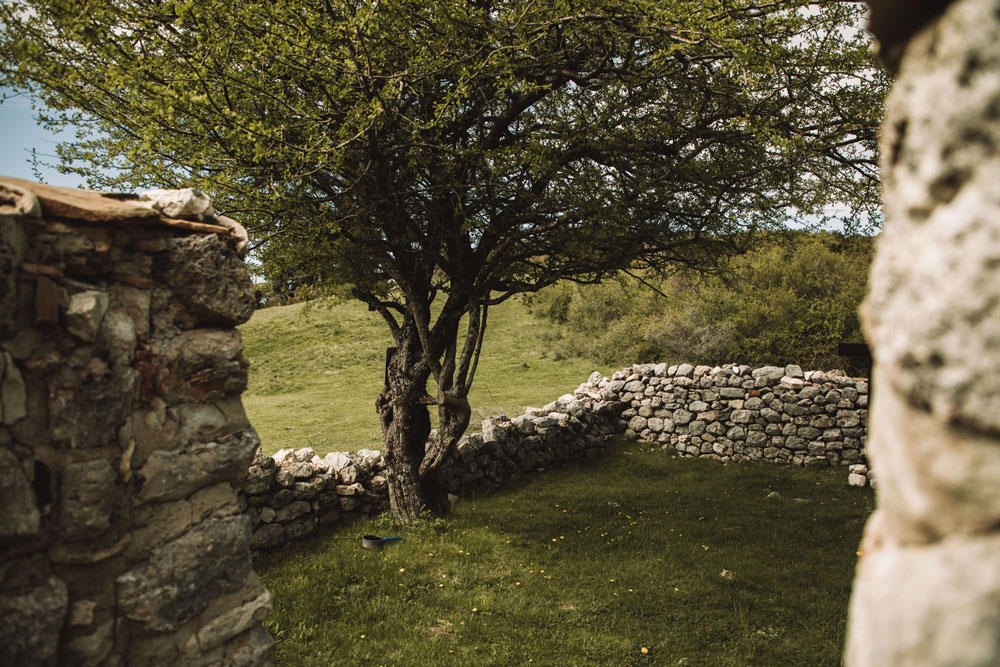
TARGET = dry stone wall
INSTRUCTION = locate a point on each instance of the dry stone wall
(122, 434)
(730, 413)
(735, 413)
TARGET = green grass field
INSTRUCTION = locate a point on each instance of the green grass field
(639, 558)
(316, 370)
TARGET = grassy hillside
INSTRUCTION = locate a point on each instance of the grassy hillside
(316, 369)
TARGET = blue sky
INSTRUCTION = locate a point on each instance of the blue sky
(19, 134)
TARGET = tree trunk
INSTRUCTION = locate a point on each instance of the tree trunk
(406, 425)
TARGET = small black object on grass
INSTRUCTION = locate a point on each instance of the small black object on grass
(374, 541)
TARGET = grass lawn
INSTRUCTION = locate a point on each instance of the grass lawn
(316, 370)
(588, 565)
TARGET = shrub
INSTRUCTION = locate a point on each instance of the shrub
(790, 301)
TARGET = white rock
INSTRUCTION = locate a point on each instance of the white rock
(283, 455)
(369, 456)
(305, 454)
(792, 383)
(186, 204)
(85, 312)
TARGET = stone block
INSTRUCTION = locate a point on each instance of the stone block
(86, 499)
(85, 312)
(792, 384)
(210, 283)
(848, 419)
(258, 480)
(268, 536)
(292, 511)
(13, 393)
(181, 578)
(173, 474)
(951, 618)
(92, 648)
(232, 622)
(741, 417)
(301, 527)
(19, 512)
(31, 622)
(84, 415)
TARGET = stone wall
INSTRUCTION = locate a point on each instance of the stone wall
(730, 413)
(927, 587)
(122, 433)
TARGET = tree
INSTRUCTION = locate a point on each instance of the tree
(441, 156)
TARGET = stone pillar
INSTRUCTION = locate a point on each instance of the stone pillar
(927, 589)
(122, 436)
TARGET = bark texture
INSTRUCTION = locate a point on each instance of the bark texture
(406, 425)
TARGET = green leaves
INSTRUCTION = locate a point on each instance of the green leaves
(480, 148)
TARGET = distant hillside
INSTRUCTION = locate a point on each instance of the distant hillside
(316, 370)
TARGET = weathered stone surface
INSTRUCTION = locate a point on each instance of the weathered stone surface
(92, 648)
(258, 480)
(89, 401)
(950, 618)
(200, 365)
(940, 139)
(86, 415)
(935, 427)
(268, 536)
(173, 474)
(86, 499)
(181, 577)
(943, 480)
(30, 622)
(637, 423)
(794, 384)
(301, 470)
(82, 205)
(14, 202)
(118, 336)
(13, 394)
(85, 312)
(227, 625)
(185, 203)
(211, 283)
(771, 373)
(251, 649)
(292, 510)
(19, 512)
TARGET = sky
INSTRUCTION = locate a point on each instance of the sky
(19, 134)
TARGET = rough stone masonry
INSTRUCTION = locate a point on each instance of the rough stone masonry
(927, 589)
(773, 414)
(122, 434)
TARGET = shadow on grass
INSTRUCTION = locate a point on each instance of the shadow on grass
(588, 565)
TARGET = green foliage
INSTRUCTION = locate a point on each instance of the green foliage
(790, 301)
(588, 565)
(503, 144)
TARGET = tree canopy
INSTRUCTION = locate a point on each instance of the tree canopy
(457, 152)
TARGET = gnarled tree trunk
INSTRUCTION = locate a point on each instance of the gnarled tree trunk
(406, 425)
